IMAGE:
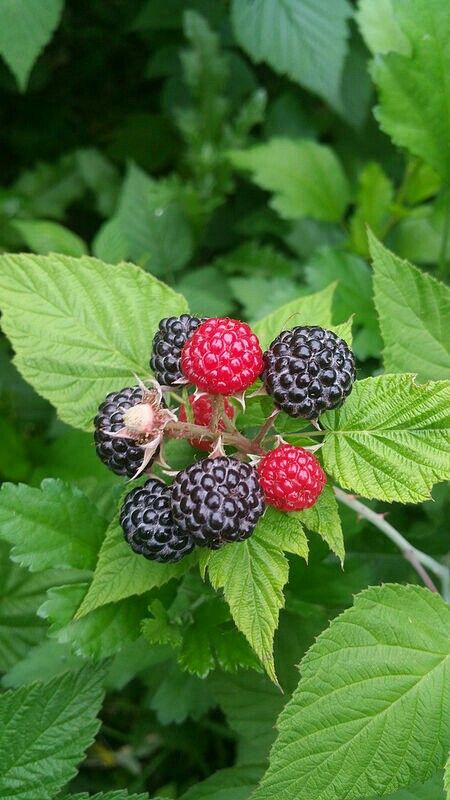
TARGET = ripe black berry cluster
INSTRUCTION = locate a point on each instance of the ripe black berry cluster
(220, 498)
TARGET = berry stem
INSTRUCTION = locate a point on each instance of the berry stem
(265, 428)
(218, 408)
(418, 559)
(187, 430)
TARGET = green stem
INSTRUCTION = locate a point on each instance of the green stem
(418, 559)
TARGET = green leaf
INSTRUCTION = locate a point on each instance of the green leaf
(419, 236)
(260, 296)
(54, 526)
(414, 90)
(21, 594)
(234, 783)
(160, 629)
(287, 532)
(153, 224)
(45, 729)
(431, 790)
(447, 779)
(99, 634)
(207, 292)
(389, 440)
(110, 243)
(304, 39)
(120, 573)
(26, 26)
(379, 27)
(323, 518)
(14, 464)
(311, 309)
(179, 695)
(43, 237)
(306, 178)
(252, 575)
(251, 705)
(121, 794)
(371, 711)
(69, 322)
(414, 312)
(373, 201)
(48, 658)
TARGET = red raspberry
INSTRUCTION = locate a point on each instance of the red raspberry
(202, 409)
(223, 356)
(291, 477)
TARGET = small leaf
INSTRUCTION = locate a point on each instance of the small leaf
(100, 633)
(45, 729)
(414, 312)
(252, 575)
(25, 28)
(287, 532)
(414, 89)
(160, 629)
(371, 711)
(390, 440)
(121, 573)
(153, 224)
(304, 39)
(80, 328)
(379, 27)
(323, 518)
(233, 783)
(306, 178)
(373, 202)
(43, 237)
(311, 309)
(54, 526)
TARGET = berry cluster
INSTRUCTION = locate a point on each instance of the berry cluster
(219, 498)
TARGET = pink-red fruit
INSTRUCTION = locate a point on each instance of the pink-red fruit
(291, 477)
(202, 410)
(223, 356)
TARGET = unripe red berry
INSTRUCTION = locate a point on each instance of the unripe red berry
(291, 477)
(223, 356)
(202, 409)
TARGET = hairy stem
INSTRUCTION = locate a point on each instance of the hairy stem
(186, 430)
(419, 560)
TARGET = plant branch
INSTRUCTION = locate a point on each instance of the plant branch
(419, 560)
(265, 428)
(187, 430)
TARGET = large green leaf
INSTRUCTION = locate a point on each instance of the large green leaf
(431, 790)
(306, 178)
(25, 28)
(414, 312)
(45, 729)
(414, 89)
(54, 526)
(304, 39)
(252, 575)
(390, 438)
(371, 712)
(80, 328)
(120, 794)
(311, 309)
(120, 573)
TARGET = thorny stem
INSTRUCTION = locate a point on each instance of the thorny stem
(265, 428)
(218, 412)
(186, 430)
(416, 558)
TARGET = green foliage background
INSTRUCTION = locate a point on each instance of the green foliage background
(237, 153)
